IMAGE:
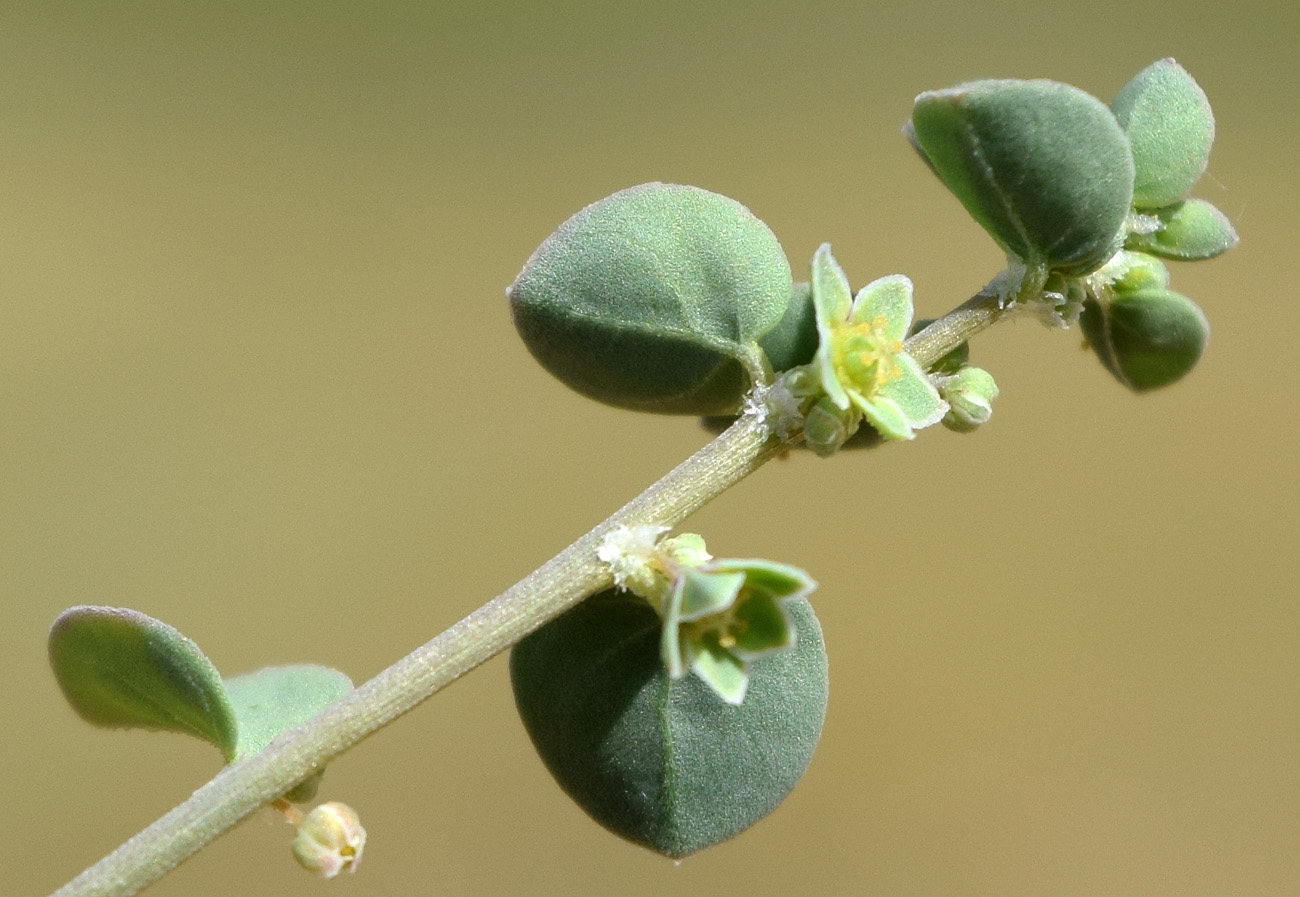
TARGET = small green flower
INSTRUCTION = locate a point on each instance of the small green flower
(723, 615)
(718, 615)
(860, 360)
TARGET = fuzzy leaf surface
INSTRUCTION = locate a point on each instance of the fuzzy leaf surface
(120, 668)
(1170, 126)
(651, 298)
(664, 762)
(275, 699)
(1042, 166)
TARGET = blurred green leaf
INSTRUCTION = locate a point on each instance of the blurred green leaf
(1170, 128)
(120, 668)
(274, 699)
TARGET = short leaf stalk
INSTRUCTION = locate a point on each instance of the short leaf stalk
(575, 573)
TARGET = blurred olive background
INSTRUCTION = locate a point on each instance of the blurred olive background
(258, 379)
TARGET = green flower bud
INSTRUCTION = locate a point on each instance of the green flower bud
(329, 840)
(969, 393)
(1186, 231)
(1042, 166)
(1147, 339)
(1170, 126)
(654, 299)
(1137, 271)
(827, 427)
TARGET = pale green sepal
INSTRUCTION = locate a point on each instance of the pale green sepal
(885, 417)
(1187, 231)
(707, 591)
(762, 623)
(1170, 127)
(120, 668)
(670, 641)
(832, 296)
(914, 395)
(777, 580)
(719, 669)
(275, 699)
(889, 298)
(832, 300)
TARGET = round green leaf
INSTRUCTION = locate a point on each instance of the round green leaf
(1171, 128)
(1042, 166)
(275, 699)
(653, 298)
(664, 762)
(120, 668)
(1188, 231)
(1147, 339)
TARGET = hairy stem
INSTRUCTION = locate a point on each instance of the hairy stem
(573, 574)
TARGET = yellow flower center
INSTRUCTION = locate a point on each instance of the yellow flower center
(865, 357)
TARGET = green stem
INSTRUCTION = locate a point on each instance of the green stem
(573, 574)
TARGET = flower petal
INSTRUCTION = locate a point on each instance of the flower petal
(888, 419)
(705, 592)
(913, 394)
(777, 580)
(721, 671)
(761, 627)
(832, 297)
(832, 300)
(889, 298)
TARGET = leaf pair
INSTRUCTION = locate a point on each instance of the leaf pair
(119, 668)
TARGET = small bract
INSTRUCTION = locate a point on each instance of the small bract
(1042, 166)
(1170, 127)
(655, 299)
